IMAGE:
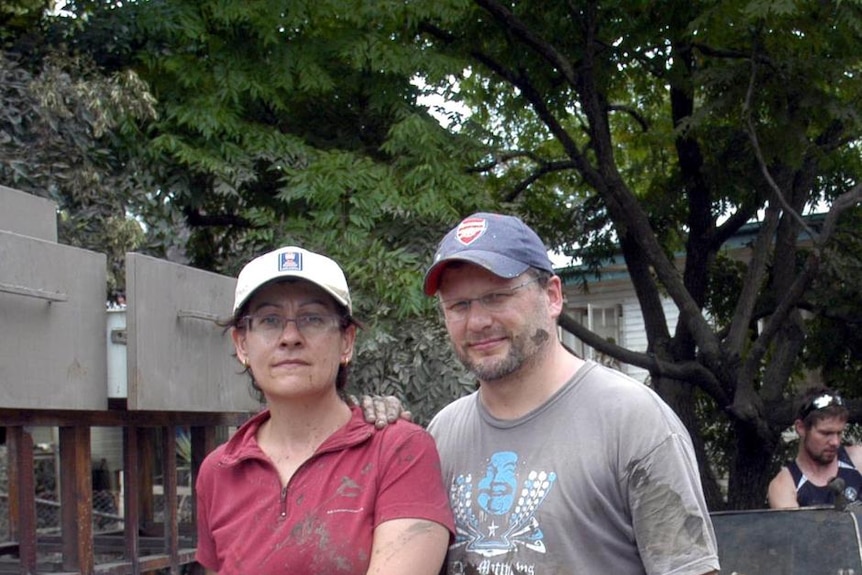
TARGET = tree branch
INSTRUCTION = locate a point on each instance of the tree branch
(196, 219)
(509, 22)
(544, 167)
(504, 157)
(803, 280)
(757, 266)
(637, 116)
(732, 225)
(690, 371)
(764, 169)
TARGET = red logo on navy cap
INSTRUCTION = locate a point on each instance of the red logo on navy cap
(470, 230)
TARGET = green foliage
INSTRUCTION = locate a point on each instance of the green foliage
(280, 123)
(663, 129)
(412, 361)
(61, 127)
(670, 129)
(19, 18)
(302, 128)
(835, 346)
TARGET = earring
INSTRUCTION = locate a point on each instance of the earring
(244, 362)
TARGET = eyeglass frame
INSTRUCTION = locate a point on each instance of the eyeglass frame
(821, 401)
(483, 300)
(333, 320)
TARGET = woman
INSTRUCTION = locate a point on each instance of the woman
(307, 486)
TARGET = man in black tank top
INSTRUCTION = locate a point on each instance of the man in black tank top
(820, 459)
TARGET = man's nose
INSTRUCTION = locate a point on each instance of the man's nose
(477, 316)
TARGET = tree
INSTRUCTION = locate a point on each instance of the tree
(656, 129)
(835, 345)
(60, 123)
(236, 156)
(663, 129)
(293, 123)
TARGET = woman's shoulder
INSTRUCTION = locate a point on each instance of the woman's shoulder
(398, 430)
(401, 436)
(210, 464)
(402, 428)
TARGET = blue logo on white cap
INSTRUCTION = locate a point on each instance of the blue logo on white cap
(290, 261)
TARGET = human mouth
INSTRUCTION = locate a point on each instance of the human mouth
(486, 343)
(290, 363)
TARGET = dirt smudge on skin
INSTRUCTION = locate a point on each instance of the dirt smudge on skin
(540, 337)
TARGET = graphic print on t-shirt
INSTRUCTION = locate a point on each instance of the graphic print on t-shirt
(497, 513)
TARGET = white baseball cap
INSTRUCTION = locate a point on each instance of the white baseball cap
(292, 262)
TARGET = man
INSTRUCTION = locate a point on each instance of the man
(820, 459)
(555, 465)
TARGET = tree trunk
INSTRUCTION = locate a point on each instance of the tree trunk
(680, 397)
(750, 469)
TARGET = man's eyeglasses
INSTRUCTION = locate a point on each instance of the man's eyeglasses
(271, 326)
(495, 301)
(822, 401)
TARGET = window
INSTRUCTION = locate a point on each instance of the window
(604, 320)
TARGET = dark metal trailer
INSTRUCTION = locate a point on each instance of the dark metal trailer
(811, 541)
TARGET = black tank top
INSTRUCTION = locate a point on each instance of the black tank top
(809, 494)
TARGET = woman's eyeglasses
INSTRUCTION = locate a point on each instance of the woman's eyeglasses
(271, 326)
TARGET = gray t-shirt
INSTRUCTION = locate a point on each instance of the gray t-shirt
(601, 479)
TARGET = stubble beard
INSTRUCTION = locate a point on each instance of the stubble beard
(521, 352)
(822, 457)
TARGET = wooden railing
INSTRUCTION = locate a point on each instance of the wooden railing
(144, 545)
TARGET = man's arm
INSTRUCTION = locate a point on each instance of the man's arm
(855, 453)
(782, 492)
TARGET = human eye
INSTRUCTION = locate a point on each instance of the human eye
(314, 321)
(495, 300)
(458, 307)
(269, 322)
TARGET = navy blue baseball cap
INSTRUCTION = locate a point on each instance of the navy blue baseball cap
(503, 245)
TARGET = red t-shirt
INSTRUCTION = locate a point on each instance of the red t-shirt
(323, 522)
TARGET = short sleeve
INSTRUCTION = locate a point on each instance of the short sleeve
(411, 482)
(671, 522)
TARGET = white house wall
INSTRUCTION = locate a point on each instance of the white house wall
(632, 334)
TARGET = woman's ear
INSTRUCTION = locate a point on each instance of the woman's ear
(239, 341)
(348, 339)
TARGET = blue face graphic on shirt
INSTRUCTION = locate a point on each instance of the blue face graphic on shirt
(496, 491)
(497, 514)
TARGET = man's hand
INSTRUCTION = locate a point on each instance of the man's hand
(382, 410)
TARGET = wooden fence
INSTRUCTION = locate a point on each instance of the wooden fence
(172, 369)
